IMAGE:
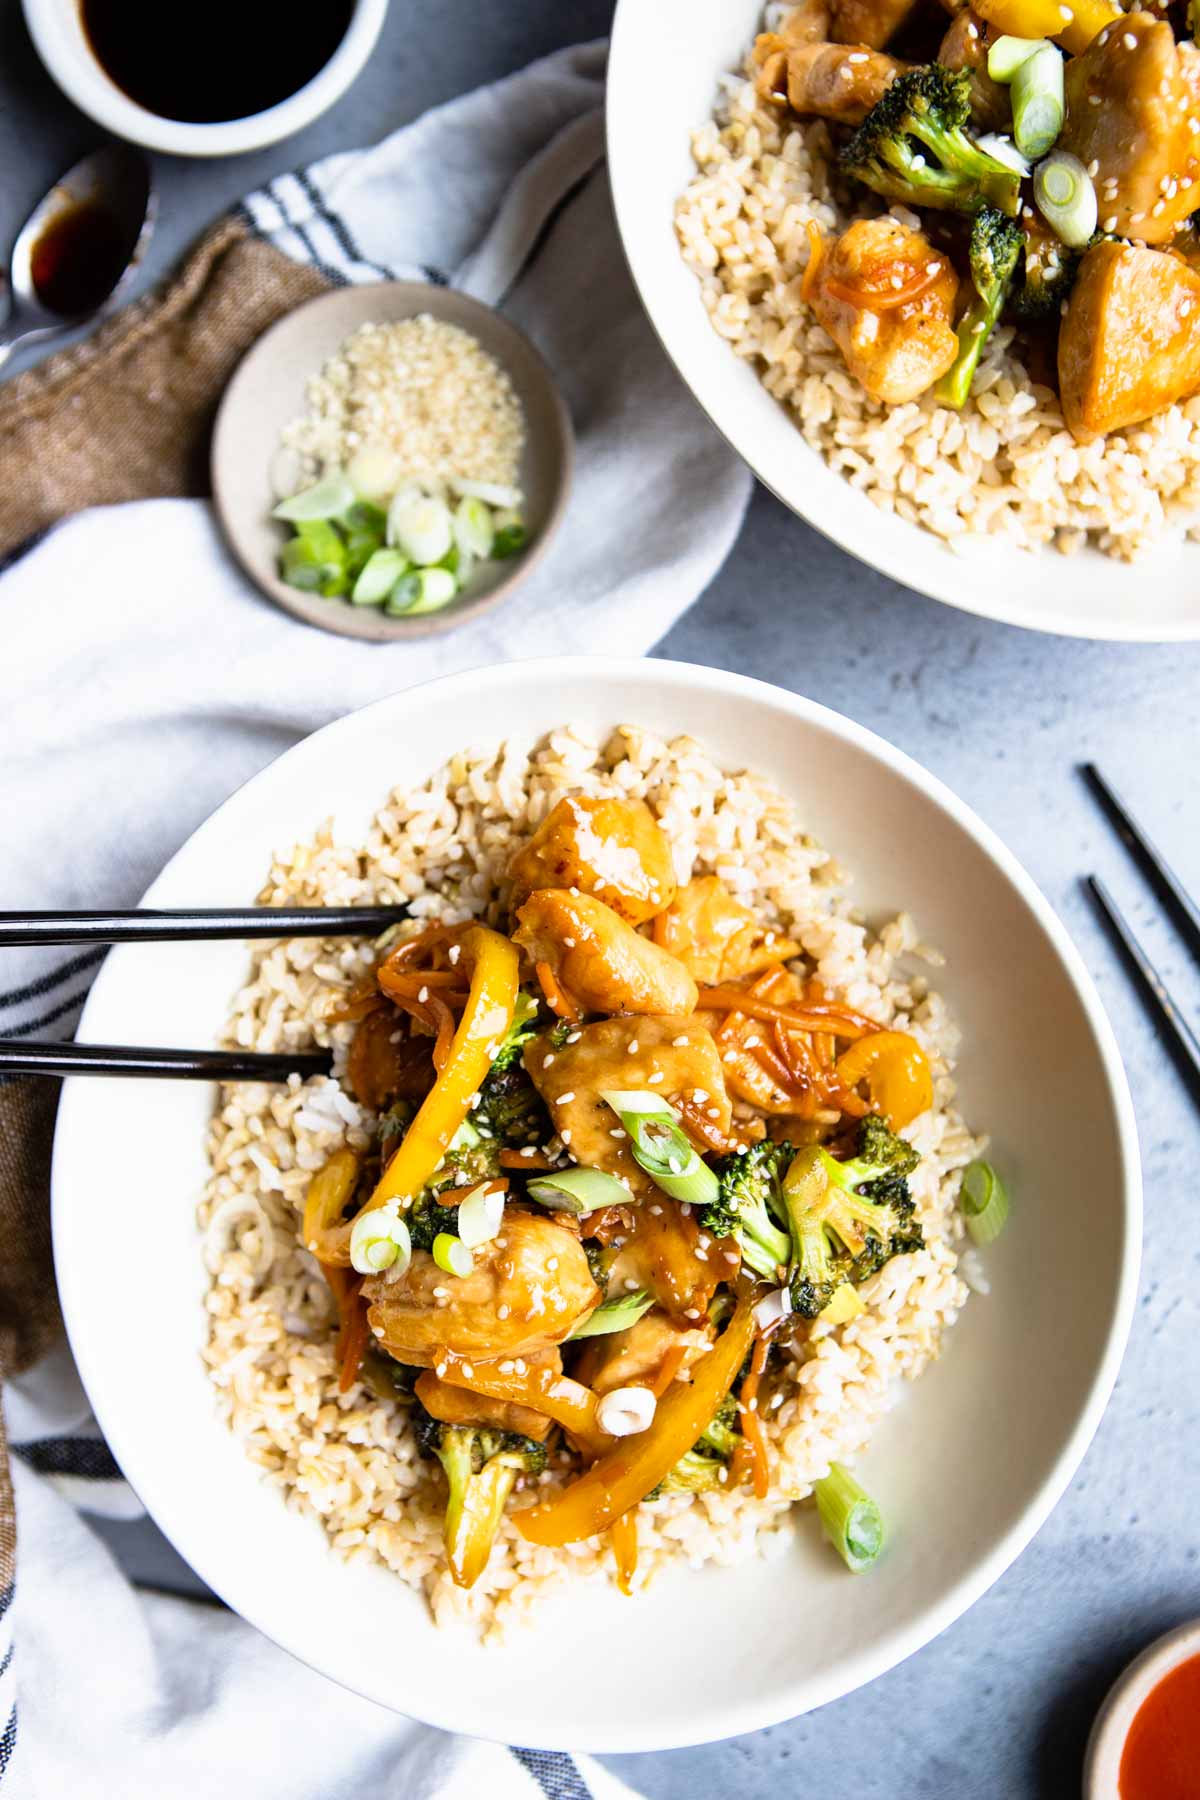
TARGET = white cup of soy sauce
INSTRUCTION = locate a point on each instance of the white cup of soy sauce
(209, 79)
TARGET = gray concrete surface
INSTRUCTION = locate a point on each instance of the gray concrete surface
(1000, 1705)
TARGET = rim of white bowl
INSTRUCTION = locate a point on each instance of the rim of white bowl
(902, 1641)
(58, 36)
(874, 538)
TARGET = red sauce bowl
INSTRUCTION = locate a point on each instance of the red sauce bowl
(1145, 1744)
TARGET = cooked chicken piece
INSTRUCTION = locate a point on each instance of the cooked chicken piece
(674, 1057)
(458, 1406)
(896, 350)
(715, 937)
(598, 960)
(835, 81)
(965, 46)
(869, 23)
(1133, 110)
(638, 1353)
(1130, 343)
(808, 23)
(529, 1289)
(614, 849)
(660, 1247)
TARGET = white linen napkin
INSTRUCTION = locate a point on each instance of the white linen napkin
(142, 679)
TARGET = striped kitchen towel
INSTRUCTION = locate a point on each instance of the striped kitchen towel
(142, 680)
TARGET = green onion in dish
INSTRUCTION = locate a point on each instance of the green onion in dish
(615, 1315)
(660, 1147)
(480, 1215)
(421, 526)
(452, 1255)
(511, 536)
(851, 1520)
(1007, 54)
(421, 591)
(380, 1240)
(474, 527)
(578, 1190)
(1066, 198)
(1038, 102)
(315, 560)
(379, 575)
(984, 1202)
(326, 499)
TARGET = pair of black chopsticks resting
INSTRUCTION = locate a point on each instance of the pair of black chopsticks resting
(38, 1058)
(1179, 905)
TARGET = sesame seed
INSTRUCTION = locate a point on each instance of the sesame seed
(680, 1043)
(423, 995)
(569, 942)
(565, 1136)
(1129, 41)
(502, 1311)
(1110, 224)
(565, 1099)
(657, 1076)
(573, 1037)
(1093, 168)
(632, 1047)
(440, 1370)
(616, 1132)
(547, 1060)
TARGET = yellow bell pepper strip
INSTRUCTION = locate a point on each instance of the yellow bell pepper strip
(627, 1473)
(328, 1193)
(623, 1537)
(473, 1517)
(537, 1385)
(896, 1071)
(488, 1014)
(1072, 23)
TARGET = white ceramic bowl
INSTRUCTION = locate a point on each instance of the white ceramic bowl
(56, 27)
(966, 1468)
(664, 67)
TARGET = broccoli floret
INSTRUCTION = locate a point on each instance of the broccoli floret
(701, 1466)
(481, 1468)
(849, 1217)
(523, 1027)
(427, 1218)
(748, 1203)
(922, 116)
(996, 245)
(1045, 283)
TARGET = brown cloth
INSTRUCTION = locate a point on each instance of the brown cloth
(125, 415)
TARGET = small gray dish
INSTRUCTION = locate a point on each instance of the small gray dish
(267, 393)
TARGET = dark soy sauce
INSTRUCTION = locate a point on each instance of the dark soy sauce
(225, 59)
(78, 259)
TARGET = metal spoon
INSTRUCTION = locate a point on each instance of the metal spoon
(106, 203)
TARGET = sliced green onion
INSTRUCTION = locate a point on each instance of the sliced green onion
(509, 539)
(494, 493)
(326, 499)
(315, 561)
(984, 1201)
(480, 1215)
(660, 1147)
(380, 573)
(1038, 102)
(380, 1240)
(578, 1190)
(1002, 150)
(1066, 198)
(616, 1314)
(1007, 54)
(422, 528)
(473, 527)
(374, 473)
(851, 1520)
(424, 590)
(451, 1254)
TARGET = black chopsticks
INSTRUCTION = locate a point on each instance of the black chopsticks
(149, 927)
(35, 1058)
(1180, 905)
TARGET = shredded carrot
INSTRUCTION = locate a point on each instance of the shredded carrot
(707, 1131)
(816, 256)
(842, 1021)
(557, 999)
(658, 930)
(622, 1535)
(878, 300)
(756, 1461)
(513, 1159)
(352, 1327)
(672, 1362)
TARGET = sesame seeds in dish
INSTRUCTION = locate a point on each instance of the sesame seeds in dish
(349, 1380)
(1057, 436)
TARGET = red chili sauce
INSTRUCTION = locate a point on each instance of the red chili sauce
(1161, 1758)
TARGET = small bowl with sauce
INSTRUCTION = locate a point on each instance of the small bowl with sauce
(211, 80)
(1145, 1744)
